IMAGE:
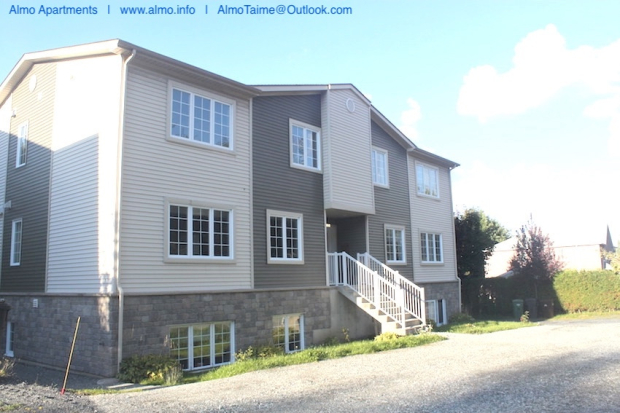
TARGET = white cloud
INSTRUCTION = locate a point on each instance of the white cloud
(409, 118)
(542, 66)
(575, 205)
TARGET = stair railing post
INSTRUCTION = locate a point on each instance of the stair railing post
(377, 287)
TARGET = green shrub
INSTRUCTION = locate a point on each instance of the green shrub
(7, 365)
(150, 369)
(461, 318)
(389, 336)
(587, 290)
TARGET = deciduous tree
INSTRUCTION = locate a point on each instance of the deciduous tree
(476, 235)
(534, 259)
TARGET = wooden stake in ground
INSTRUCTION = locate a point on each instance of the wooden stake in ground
(77, 325)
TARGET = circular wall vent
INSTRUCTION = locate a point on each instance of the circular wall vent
(350, 105)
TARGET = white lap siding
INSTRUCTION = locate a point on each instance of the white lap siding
(156, 169)
(432, 215)
(83, 176)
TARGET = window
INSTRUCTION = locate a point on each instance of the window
(16, 242)
(436, 311)
(427, 180)
(201, 119)
(284, 237)
(288, 332)
(10, 339)
(305, 146)
(203, 345)
(379, 167)
(431, 246)
(395, 245)
(22, 145)
(200, 232)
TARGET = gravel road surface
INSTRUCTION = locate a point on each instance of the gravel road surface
(566, 366)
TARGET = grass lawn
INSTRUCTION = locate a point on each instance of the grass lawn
(482, 327)
(586, 315)
(312, 355)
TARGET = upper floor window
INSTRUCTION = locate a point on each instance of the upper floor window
(284, 237)
(201, 119)
(427, 178)
(22, 145)
(305, 146)
(379, 161)
(431, 247)
(395, 244)
(16, 242)
(199, 232)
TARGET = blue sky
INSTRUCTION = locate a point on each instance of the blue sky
(525, 95)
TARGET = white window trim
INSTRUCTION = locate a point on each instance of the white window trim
(435, 306)
(199, 258)
(190, 340)
(302, 344)
(22, 135)
(417, 173)
(319, 160)
(214, 98)
(401, 228)
(15, 263)
(422, 257)
(387, 168)
(300, 230)
(10, 339)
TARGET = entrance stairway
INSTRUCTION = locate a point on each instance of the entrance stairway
(388, 297)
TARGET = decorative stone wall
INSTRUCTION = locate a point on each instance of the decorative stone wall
(450, 292)
(148, 318)
(43, 334)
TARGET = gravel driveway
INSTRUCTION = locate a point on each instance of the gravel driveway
(568, 366)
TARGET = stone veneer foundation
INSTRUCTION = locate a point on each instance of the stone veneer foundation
(43, 334)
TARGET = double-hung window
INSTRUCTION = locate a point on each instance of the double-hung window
(305, 143)
(431, 247)
(379, 160)
(284, 237)
(201, 119)
(16, 242)
(395, 244)
(200, 232)
(22, 145)
(203, 345)
(427, 178)
(288, 332)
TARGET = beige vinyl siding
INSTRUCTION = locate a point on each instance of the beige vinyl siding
(156, 170)
(5, 125)
(83, 176)
(347, 150)
(429, 215)
(27, 186)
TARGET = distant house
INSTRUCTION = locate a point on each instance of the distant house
(587, 255)
(177, 211)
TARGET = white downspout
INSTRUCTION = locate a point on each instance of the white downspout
(119, 163)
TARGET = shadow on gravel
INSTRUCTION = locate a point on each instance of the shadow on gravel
(566, 383)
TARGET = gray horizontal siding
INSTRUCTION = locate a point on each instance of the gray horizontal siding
(278, 186)
(391, 204)
(27, 187)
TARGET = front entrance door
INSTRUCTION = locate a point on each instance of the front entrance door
(332, 238)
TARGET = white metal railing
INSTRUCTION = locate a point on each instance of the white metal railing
(413, 294)
(387, 290)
